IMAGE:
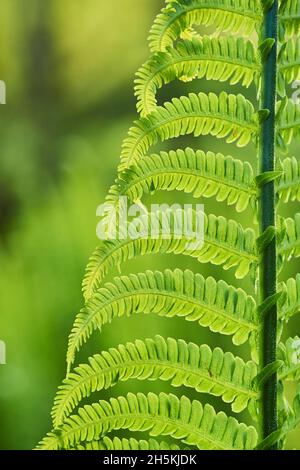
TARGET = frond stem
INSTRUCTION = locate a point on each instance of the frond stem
(267, 268)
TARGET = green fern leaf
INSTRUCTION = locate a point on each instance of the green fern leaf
(214, 372)
(291, 304)
(214, 58)
(290, 418)
(289, 15)
(213, 304)
(159, 415)
(179, 15)
(226, 243)
(288, 188)
(116, 444)
(203, 174)
(290, 245)
(246, 55)
(224, 116)
(289, 64)
(288, 123)
(289, 353)
(293, 419)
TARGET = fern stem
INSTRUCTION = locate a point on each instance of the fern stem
(268, 271)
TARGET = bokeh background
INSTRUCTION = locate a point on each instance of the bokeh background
(69, 68)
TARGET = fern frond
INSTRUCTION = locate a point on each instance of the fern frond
(290, 245)
(226, 243)
(293, 420)
(289, 64)
(289, 15)
(288, 123)
(289, 353)
(161, 414)
(214, 372)
(203, 174)
(179, 15)
(247, 54)
(224, 116)
(288, 188)
(291, 304)
(219, 59)
(127, 444)
(213, 304)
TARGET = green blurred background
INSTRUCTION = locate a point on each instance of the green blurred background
(69, 67)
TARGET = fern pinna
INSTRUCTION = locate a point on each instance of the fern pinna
(253, 42)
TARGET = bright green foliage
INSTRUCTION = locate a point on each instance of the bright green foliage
(179, 15)
(214, 304)
(203, 174)
(291, 306)
(162, 414)
(290, 422)
(127, 444)
(288, 123)
(235, 53)
(170, 360)
(224, 116)
(289, 14)
(289, 185)
(290, 245)
(289, 64)
(290, 355)
(214, 58)
(225, 243)
(294, 416)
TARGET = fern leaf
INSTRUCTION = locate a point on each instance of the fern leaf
(203, 174)
(127, 444)
(226, 243)
(288, 188)
(289, 353)
(289, 15)
(290, 245)
(159, 415)
(293, 419)
(180, 15)
(224, 116)
(214, 372)
(213, 304)
(289, 64)
(289, 423)
(291, 304)
(288, 123)
(219, 59)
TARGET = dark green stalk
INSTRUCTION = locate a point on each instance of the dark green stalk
(268, 274)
